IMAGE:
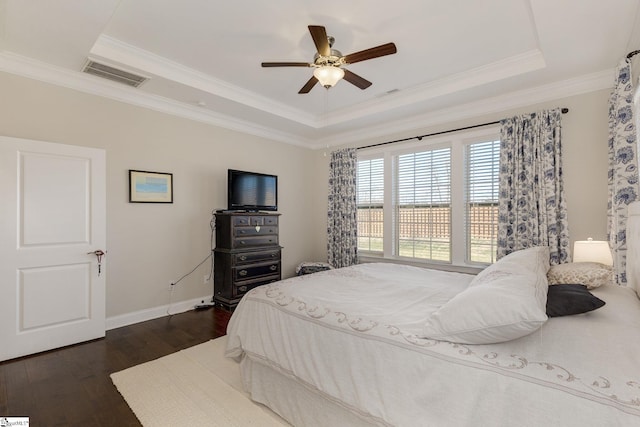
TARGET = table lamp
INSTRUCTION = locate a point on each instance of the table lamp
(592, 251)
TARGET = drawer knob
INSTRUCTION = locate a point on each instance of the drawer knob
(273, 268)
(243, 273)
(243, 257)
(242, 289)
(242, 242)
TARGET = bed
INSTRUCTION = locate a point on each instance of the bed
(384, 344)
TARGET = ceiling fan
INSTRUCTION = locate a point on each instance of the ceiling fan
(328, 62)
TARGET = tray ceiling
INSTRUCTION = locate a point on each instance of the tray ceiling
(455, 59)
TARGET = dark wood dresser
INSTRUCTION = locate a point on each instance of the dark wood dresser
(247, 254)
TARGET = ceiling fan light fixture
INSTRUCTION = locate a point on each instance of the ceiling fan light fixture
(327, 61)
(328, 75)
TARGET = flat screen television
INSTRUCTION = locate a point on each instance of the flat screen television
(251, 191)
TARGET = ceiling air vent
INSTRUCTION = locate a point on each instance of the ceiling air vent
(113, 74)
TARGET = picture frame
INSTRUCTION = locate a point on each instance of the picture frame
(150, 187)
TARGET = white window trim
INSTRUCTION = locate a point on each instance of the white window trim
(457, 141)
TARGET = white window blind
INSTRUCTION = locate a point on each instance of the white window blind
(431, 202)
(370, 201)
(423, 205)
(482, 168)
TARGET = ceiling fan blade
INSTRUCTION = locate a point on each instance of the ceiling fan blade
(356, 80)
(309, 85)
(319, 36)
(374, 52)
(285, 64)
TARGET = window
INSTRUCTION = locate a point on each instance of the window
(436, 201)
(369, 199)
(423, 204)
(482, 162)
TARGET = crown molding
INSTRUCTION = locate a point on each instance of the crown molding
(27, 67)
(117, 53)
(495, 71)
(47, 73)
(518, 99)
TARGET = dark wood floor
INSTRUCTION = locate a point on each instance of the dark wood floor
(72, 387)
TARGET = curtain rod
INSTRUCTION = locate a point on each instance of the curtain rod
(419, 137)
(632, 54)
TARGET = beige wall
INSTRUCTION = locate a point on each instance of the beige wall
(151, 245)
(585, 158)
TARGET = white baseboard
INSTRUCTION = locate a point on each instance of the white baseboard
(153, 313)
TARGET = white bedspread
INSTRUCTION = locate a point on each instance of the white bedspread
(351, 335)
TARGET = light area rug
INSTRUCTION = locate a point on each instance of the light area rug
(197, 386)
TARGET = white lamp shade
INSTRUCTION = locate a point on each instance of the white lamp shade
(328, 75)
(592, 251)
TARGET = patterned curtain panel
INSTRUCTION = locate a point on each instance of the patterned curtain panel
(342, 224)
(623, 166)
(531, 207)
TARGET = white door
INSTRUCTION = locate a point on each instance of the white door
(52, 218)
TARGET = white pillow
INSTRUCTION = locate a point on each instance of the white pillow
(507, 300)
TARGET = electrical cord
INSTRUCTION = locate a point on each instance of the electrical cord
(194, 269)
(212, 225)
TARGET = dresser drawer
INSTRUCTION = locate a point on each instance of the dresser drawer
(242, 288)
(252, 241)
(251, 257)
(258, 230)
(256, 270)
(247, 254)
(254, 220)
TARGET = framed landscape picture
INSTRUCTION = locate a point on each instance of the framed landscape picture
(150, 187)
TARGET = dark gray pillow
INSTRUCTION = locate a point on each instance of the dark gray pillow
(567, 299)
